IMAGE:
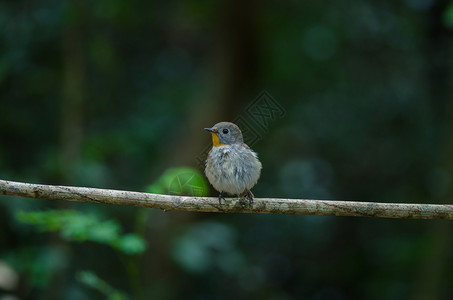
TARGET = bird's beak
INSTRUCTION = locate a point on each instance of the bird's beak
(213, 130)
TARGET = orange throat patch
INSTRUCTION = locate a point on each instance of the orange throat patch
(215, 140)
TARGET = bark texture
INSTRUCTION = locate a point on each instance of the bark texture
(231, 205)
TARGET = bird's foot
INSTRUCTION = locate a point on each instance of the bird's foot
(220, 199)
(247, 194)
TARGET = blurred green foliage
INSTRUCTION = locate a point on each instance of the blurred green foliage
(92, 280)
(180, 181)
(37, 263)
(80, 227)
(208, 245)
(115, 94)
(448, 16)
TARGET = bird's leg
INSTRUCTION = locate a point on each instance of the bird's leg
(247, 194)
(220, 199)
(250, 196)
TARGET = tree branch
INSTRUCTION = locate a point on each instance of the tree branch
(231, 205)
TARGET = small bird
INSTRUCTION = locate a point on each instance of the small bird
(231, 166)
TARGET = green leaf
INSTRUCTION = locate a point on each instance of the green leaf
(80, 227)
(180, 181)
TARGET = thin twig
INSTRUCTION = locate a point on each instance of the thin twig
(231, 205)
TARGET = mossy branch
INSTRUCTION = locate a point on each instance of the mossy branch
(231, 205)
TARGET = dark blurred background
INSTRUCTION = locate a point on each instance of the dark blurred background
(114, 94)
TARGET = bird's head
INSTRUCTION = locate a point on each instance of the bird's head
(225, 133)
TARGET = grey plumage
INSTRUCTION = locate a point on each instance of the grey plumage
(231, 166)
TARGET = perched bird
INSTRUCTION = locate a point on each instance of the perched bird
(231, 166)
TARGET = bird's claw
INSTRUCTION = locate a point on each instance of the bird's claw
(220, 199)
(247, 194)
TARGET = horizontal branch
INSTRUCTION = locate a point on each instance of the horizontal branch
(231, 205)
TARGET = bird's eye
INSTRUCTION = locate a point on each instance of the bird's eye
(225, 131)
